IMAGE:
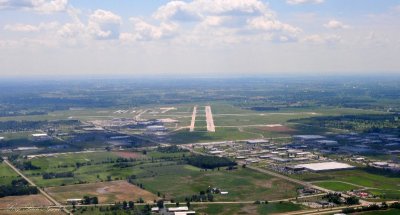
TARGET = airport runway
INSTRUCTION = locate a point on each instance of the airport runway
(210, 120)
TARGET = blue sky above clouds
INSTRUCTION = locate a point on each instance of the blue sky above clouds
(198, 37)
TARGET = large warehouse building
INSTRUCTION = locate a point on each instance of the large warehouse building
(324, 166)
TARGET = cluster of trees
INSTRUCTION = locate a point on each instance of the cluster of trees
(87, 200)
(210, 162)
(367, 122)
(373, 207)
(337, 199)
(18, 187)
(203, 196)
(380, 171)
(5, 113)
(106, 161)
(26, 165)
(171, 149)
(123, 165)
(50, 175)
(34, 125)
(123, 208)
(264, 108)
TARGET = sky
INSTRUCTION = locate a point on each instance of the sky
(152, 38)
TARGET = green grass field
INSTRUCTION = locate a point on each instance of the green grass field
(6, 174)
(337, 186)
(179, 181)
(263, 209)
(383, 185)
(65, 163)
(220, 135)
(167, 177)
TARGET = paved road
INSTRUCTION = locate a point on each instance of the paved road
(193, 119)
(51, 199)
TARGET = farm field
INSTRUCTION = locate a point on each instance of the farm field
(221, 134)
(24, 201)
(263, 209)
(337, 186)
(6, 174)
(156, 177)
(242, 184)
(384, 212)
(94, 167)
(33, 212)
(389, 189)
(107, 192)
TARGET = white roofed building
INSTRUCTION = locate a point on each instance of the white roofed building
(325, 166)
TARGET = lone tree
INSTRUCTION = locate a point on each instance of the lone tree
(131, 204)
(352, 200)
(160, 203)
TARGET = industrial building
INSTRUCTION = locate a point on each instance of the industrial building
(257, 141)
(41, 137)
(324, 166)
(308, 137)
(156, 128)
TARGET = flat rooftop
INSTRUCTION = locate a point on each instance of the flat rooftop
(255, 141)
(309, 137)
(40, 135)
(325, 166)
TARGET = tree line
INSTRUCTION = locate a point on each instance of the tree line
(209, 162)
(18, 187)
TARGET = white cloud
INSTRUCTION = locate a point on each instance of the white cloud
(19, 27)
(180, 10)
(321, 39)
(296, 2)
(268, 24)
(40, 6)
(104, 25)
(334, 24)
(219, 18)
(146, 31)
(177, 10)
